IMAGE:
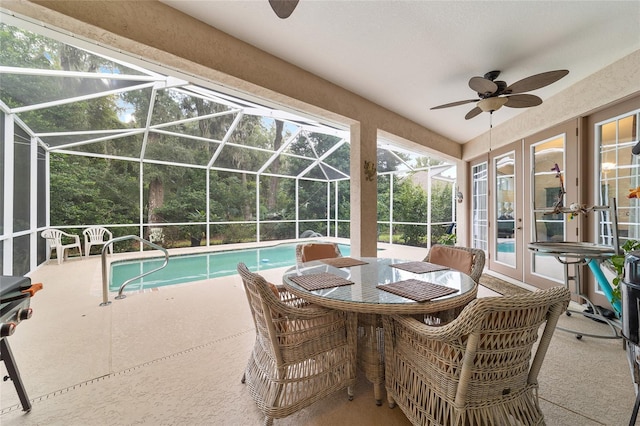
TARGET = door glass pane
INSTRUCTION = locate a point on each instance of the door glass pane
(479, 213)
(505, 209)
(619, 176)
(548, 176)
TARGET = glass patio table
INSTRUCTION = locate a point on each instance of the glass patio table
(370, 302)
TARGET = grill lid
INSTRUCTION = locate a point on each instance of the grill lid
(632, 268)
(10, 285)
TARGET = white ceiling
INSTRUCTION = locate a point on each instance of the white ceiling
(409, 56)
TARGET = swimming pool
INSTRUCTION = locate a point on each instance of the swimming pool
(203, 266)
(506, 247)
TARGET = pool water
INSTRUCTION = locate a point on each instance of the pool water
(506, 247)
(197, 267)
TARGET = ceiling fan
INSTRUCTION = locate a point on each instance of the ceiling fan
(492, 94)
(283, 8)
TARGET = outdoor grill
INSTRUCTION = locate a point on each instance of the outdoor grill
(630, 298)
(15, 300)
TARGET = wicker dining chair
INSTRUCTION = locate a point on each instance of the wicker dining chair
(306, 252)
(464, 259)
(301, 354)
(478, 369)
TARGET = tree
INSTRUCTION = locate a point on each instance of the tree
(410, 205)
(275, 165)
(84, 191)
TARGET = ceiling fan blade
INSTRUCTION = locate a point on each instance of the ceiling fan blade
(283, 8)
(522, 101)
(536, 81)
(482, 85)
(474, 112)
(452, 104)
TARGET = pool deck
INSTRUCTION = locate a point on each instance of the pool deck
(175, 355)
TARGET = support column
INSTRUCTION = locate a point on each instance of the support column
(463, 210)
(364, 190)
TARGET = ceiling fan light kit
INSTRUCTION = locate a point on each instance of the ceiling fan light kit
(494, 94)
(491, 104)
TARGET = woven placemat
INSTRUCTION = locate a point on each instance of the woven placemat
(343, 262)
(417, 290)
(319, 281)
(419, 267)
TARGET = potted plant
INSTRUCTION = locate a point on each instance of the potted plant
(616, 265)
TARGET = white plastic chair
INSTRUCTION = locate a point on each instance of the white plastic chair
(54, 239)
(96, 235)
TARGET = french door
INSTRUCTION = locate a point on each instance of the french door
(551, 179)
(506, 214)
(515, 190)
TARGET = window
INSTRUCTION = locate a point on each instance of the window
(480, 218)
(619, 173)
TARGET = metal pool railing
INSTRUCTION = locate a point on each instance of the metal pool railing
(105, 275)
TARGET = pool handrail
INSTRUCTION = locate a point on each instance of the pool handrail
(105, 280)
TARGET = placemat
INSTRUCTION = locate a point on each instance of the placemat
(417, 290)
(419, 267)
(319, 281)
(343, 262)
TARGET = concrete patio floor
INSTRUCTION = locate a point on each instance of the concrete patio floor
(175, 355)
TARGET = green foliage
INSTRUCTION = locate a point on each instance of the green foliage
(277, 231)
(313, 199)
(238, 233)
(410, 205)
(233, 196)
(447, 239)
(384, 195)
(617, 264)
(88, 190)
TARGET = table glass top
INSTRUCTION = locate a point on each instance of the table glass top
(572, 249)
(376, 271)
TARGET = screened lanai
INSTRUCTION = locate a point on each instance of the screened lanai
(92, 137)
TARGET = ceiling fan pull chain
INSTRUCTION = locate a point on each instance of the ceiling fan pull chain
(490, 127)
